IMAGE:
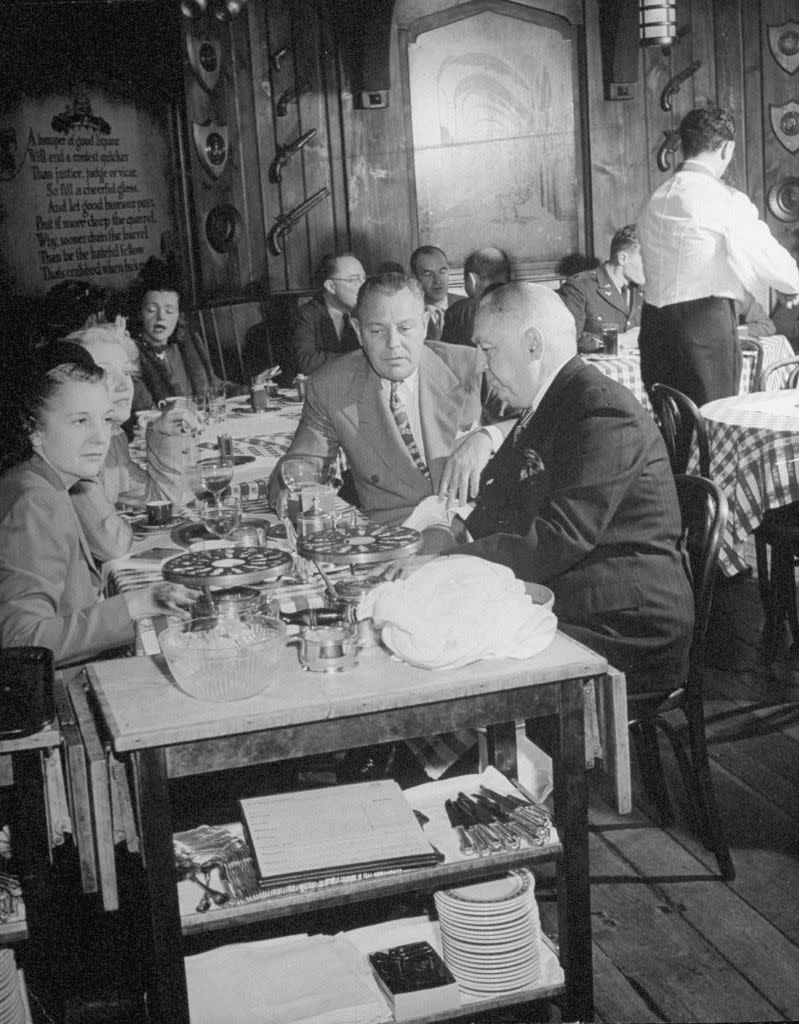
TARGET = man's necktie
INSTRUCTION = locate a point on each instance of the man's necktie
(435, 323)
(397, 407)
(626, 295)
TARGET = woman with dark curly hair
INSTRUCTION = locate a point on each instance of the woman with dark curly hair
(55, 429)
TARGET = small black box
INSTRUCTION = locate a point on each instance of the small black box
(26, 690)
(415, 980)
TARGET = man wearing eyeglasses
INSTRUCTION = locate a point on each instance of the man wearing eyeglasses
(323, 329)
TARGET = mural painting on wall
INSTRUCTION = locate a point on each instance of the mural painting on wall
(493, 115)
(83, 191)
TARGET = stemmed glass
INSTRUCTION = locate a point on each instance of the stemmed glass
(214, 475)
(299, 474)
(222, 516)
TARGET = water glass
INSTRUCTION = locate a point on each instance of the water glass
(313, 521)
(217, 409)
(221, 517)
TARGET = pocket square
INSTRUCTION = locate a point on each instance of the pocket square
(532, 464)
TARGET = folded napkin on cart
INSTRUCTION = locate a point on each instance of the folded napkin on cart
(456, 610)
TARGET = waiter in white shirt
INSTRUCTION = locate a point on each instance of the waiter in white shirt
(703, 247)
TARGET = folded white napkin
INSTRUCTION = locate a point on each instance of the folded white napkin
(456, 610)
(435, 511)
(310, 979)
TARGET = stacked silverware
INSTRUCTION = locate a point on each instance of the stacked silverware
(490, 822)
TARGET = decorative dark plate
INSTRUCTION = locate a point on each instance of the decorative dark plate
(229, 566)
(189, 533)
(237, 460)
(360, 545)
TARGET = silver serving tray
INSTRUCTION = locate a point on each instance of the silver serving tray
(227, 567)
(360, 545)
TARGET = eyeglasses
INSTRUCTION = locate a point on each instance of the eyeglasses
(355, 279)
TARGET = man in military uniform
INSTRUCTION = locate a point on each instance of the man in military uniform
(609, 296)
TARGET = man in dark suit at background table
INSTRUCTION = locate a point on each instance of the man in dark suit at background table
(430, 267)
(322, 330)
(609, 296)
(483, 268)
(581, 497)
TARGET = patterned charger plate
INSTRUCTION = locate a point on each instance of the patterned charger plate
(189, 533)
(228, 566)
(361, 544)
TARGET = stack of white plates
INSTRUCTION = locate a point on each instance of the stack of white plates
(12, 1005)
(491, 934)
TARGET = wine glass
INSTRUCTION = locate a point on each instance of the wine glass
(215, 475)
(300, 474)
(221, 516)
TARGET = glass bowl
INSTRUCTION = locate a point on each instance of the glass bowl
(223, 657)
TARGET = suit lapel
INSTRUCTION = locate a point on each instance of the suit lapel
(610, 293)
(366, 408)
(55, 480)
(441, 398)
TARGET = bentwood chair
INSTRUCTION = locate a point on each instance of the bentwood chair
(790, 367)
(779, 532)
(703, 508)
(753, 348)
(680, 421)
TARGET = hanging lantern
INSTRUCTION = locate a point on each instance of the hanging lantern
(657, 23)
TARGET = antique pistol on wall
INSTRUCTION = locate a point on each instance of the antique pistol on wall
(286, 222)
(282, 105)
(285, 153)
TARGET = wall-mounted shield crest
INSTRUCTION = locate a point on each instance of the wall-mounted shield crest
(785, 124)
(783, 41)
(211, 142)
(205, 59)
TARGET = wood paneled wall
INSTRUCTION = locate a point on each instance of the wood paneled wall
(727, 36)
(363, 156)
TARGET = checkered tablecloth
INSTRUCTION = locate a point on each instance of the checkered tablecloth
(626, 368)
(754, 457)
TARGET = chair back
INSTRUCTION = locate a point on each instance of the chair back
(703, 509)
(789, 369)
(754, 349)
(679, 420)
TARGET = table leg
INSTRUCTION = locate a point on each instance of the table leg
(497, 746)
(167, 996)
(30, 848)
(574, 891)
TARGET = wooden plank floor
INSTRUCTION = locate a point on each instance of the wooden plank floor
(671, 941)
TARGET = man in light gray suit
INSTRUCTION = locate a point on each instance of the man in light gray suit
(397, 407)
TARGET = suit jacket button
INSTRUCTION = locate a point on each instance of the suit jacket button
(375, 479)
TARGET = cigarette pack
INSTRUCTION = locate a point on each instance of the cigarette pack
(415, 980)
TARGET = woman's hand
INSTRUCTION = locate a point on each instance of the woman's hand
(161, 599)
